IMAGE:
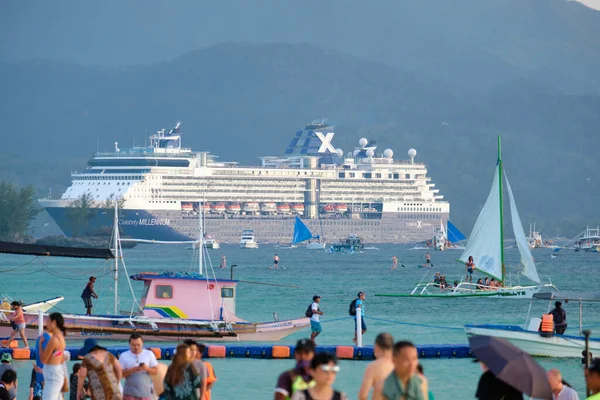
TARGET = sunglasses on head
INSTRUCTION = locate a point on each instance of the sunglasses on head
(330, 368)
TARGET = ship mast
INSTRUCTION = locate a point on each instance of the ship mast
(500, 173)
(116, 244)
(201, 238)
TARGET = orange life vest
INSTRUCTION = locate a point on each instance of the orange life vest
(547, 323)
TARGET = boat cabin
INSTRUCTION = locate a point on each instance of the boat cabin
(187, 296)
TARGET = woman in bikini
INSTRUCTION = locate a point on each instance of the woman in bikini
(53, 358)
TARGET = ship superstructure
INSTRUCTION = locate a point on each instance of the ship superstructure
(165, 186)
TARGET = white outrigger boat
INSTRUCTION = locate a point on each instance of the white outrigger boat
(486, 246)
(531, 340)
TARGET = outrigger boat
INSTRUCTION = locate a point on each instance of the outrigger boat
(351, 244)
(302, 233)
(537, 343)
(174, 306)
(486, 246)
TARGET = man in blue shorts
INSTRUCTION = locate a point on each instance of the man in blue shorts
(360, 309)
(315, 325)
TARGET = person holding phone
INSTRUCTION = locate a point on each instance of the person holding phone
(138, 365)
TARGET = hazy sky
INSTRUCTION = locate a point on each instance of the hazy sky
(122, 32)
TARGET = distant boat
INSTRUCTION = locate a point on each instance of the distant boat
(247, 241)
(302, 233)
(447, 238)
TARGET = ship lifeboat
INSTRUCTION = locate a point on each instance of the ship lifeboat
(233, 208)
(341, 208)
(268, 207)
(329, 208)
(283, 208)
(187, 207)
(206, 207)
(250, 207)
(298, 208)
(218, 208)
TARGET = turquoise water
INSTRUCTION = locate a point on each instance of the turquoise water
(336, 277)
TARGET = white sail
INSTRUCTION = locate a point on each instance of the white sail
(484, 243)
(522, 244)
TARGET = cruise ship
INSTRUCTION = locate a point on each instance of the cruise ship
(164, 187)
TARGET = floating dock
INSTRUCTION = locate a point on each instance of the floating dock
(268, 351)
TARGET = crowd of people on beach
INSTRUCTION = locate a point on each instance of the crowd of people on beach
(136, 374)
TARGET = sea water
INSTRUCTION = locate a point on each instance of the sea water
(335, 277)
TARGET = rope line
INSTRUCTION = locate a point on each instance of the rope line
(415, 324)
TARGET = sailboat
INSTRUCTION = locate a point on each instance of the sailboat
(447, 238)
(302, 233)
(174, 306)
(486, 246)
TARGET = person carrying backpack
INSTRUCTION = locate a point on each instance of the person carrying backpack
(358, 306)
(313, 313)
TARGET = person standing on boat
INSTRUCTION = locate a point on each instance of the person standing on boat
(394, 262)
(470, 267)
(298, 378)
(138, 364)
(275, 261)
(17, 321)
(315, 325)
(87, 294)
(223, 261)
(379, 369)
(560, 318)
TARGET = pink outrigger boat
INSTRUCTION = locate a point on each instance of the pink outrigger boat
(174, 306)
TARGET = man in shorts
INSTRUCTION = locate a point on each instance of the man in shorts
(87, 294)
(275, 261)
(315, 325)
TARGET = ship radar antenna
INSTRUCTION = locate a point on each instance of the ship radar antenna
(363, 142)
(412, 153)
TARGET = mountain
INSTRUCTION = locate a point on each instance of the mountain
(241, 101)
(470, 45)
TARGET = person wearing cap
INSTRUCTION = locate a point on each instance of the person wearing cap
(299, 377)
(592, 379)
(8, 382)
(360, 307)
(5, 365)
(559, 316)
(102, 370)
(17, 321)
(87, 294)
(315, 325)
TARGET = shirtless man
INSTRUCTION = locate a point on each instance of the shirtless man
(276, 262)
(394, 262)
(381, 367)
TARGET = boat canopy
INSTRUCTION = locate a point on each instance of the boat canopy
(568, 296)
(54, 251)
(454, 235)
(193, 276)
